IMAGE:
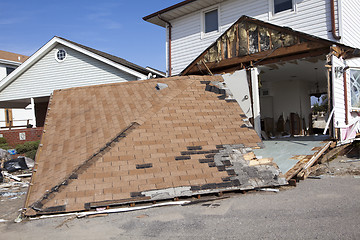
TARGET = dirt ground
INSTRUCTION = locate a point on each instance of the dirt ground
(326, 207)
(346, 163)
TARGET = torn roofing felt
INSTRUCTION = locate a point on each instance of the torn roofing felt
(129, 142)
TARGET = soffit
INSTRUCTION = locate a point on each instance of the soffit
(179, 10)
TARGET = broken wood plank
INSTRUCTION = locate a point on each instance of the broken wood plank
(306, 169)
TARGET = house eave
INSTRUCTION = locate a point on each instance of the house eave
(178, 10)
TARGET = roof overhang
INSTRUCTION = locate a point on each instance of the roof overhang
(250, 42)
(179, 10)
(21, 103)
(8, 62)
(47, 47)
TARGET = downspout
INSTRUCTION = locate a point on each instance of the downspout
(169, 45)
(333, 27)
(346, 96)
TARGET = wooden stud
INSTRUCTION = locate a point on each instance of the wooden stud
(237, 42)
(248, 41)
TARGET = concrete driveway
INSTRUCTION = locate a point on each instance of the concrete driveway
(326, 208)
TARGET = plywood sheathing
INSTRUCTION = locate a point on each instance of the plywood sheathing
(81, 121)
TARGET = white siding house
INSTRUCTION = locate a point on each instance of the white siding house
(61, 64)
(308, 16)
(9, 117)
(200, 36)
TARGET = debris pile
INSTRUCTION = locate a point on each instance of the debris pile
(14, 176)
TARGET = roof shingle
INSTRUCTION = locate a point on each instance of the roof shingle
(116, 142)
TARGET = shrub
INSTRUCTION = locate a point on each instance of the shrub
(2, 140)
(4, 146)
(28, 148)
(31, 154)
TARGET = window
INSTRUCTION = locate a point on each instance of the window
(282, 5)
(355, 88)
(211, 22)
(60, 55)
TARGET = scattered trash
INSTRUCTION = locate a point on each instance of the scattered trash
(268, 189)
(112, 210)
(142, 216)
(12, 151)
(100, 209)
(3, 220)
(347, 161)
(1, 177)
(316, 177)
(15, 165)
(356, 176)
(29, 162)
(12, 176)
(4, 154)
(11, 194)
(19, 218)
(25, 175)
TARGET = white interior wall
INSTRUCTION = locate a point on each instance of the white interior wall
(286, 96)
(289, 85)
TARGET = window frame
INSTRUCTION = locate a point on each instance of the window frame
(272, 13)
(350, 86)
(203, 12)
(56, 55)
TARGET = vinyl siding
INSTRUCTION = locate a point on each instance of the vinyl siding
(311, 16)
(46, 75)
(338, 95)
(351, 22)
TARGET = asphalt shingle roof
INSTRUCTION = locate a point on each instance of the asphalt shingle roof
(113, 142)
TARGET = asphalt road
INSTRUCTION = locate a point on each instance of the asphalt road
(326, 208)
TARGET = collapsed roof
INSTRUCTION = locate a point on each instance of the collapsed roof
(142, 141)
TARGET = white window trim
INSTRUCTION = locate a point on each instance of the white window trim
(213, 33)
(273, 15)
(56, 58)
(352, 109)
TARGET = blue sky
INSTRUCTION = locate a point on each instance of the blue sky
(112, 26)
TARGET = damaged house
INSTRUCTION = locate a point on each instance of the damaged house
(276, 55)
(242, 77)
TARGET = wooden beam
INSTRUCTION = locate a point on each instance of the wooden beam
(298, 48)
(266, 61)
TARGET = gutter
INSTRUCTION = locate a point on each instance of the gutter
(333, 27)
(169, 46)
(346, 96)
